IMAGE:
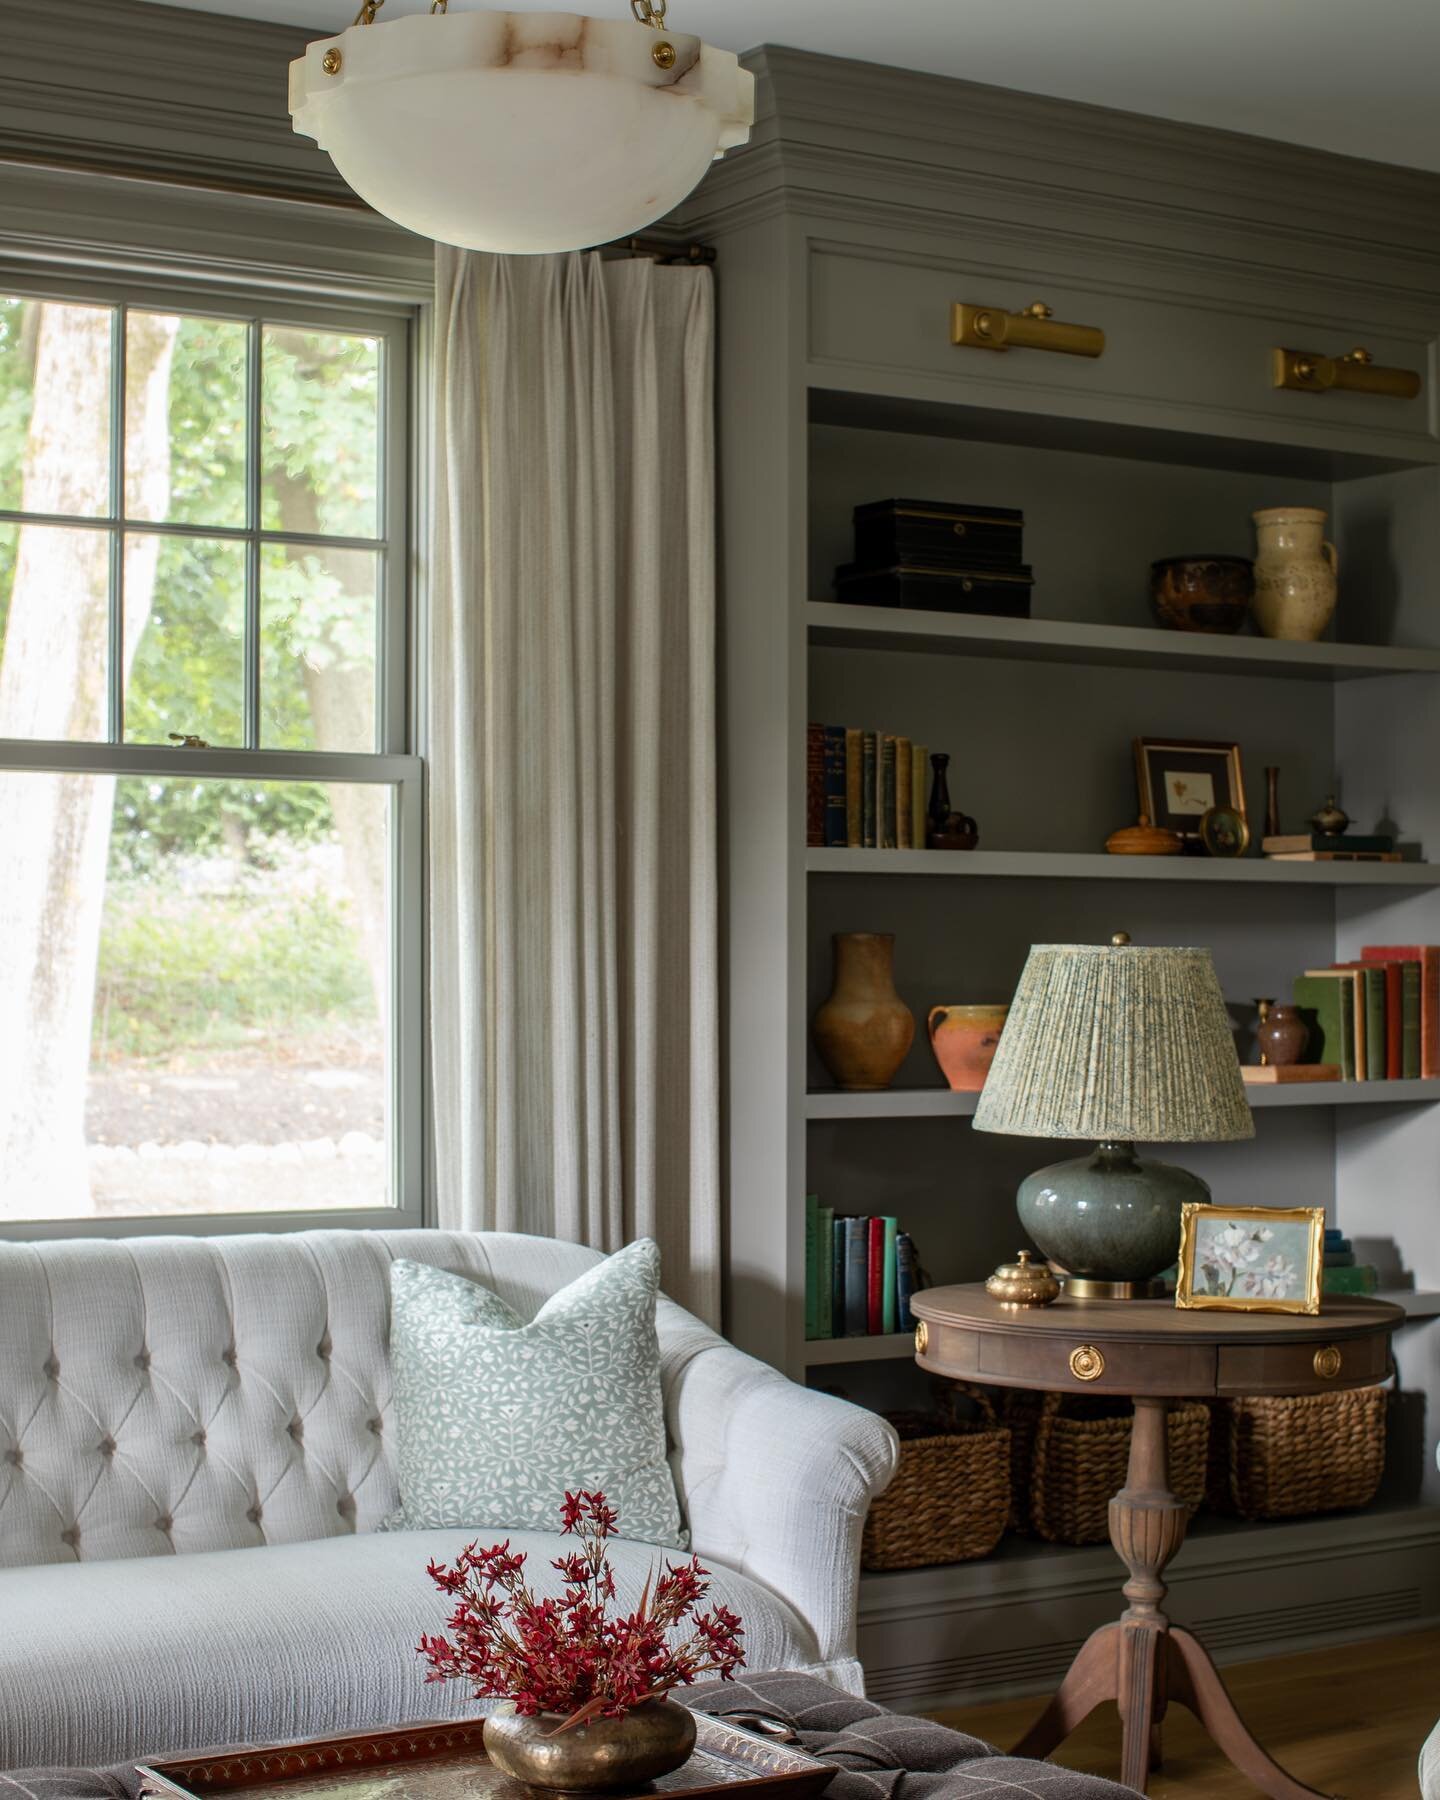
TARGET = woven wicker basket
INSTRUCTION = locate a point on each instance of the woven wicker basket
(1070, 1455)
(1280, 1458)
(950, 1497)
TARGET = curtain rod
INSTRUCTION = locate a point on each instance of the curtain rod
(664, 250)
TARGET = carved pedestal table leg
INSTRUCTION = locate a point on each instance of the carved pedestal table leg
(1140, 1662)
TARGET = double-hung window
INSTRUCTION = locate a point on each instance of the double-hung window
(210, 819)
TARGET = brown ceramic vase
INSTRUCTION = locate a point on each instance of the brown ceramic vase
(1282, 1035)
(649, 1741)
(964, 1039)
(864, 1030)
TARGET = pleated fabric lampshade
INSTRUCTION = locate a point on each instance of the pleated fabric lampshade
(1120, 1044)
(1117, 1041)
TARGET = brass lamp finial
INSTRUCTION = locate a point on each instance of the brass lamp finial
(1120, 938)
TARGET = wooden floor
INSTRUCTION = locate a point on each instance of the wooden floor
(1348, 1721)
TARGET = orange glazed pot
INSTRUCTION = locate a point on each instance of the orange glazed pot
(964, 1039)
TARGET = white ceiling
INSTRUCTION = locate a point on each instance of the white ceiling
(1361, 80)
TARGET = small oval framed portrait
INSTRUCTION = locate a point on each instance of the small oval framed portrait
(1224, 831)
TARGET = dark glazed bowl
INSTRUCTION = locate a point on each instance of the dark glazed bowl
(1202, 593)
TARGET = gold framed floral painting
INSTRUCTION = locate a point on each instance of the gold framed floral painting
(1251, 1258)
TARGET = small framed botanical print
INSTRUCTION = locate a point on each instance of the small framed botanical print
(1251, 1258)
(1180, 780)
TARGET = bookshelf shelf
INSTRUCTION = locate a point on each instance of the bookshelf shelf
(940, 1103)
(898, 1346)
(1114, 646)
(1055, 865)
(820, 1351)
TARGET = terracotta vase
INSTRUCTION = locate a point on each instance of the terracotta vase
(649, 1741)
(1295, 573)
(1282, 1035)
(864, 1030)
(964, 1039)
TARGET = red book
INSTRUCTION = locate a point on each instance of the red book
(875, 1289)
(815, 784)
(1428, 957)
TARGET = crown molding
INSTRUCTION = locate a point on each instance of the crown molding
(157, 91)
(935, 149)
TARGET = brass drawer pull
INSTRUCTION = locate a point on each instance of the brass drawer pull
(1033, 327)
(1356, 372)
(922, 1338)
(1087, 1363)
(1327, 1362)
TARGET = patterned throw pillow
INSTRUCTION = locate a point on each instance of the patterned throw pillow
(495, 1418)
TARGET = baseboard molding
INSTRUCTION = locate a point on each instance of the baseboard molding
(1010, 1625)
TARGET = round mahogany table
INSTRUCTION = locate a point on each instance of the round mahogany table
(1150, 1352)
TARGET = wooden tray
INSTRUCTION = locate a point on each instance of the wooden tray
(448, 1762)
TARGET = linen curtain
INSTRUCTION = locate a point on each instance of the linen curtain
(571, 698)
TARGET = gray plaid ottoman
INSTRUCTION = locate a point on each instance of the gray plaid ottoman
(877, 1755)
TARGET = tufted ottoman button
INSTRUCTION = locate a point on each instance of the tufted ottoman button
(71, 1537)
(375, 1426)
(198, 1439)
(296, 1429)
(142, 1362)
(255, 1514)
(325, 1348)
(52, 1367)
(15, 1456)
(107, 1446)
(228, 1357)
(165, 1524)
(346, 1506)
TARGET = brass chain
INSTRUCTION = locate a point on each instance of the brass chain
(440, 6)
(649, 12)
(367, 12)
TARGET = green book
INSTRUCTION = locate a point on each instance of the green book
(1373, 977)
(1410, 1021)
(868, 762)
(889, 1309)
(1363, 1278)
(812, 1268)
(1327, 1003)
(825, 1256)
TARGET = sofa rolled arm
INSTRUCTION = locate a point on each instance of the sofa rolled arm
(776, 1480)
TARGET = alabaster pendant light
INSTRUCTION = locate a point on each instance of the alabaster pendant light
(521, 132)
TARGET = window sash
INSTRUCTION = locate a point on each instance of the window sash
(393, 762)
(393, 610)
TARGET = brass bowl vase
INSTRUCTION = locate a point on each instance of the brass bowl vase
(649, 1741)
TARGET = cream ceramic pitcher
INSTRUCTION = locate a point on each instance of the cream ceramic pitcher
(1295, 573)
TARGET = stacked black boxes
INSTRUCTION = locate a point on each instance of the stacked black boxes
(940, 556)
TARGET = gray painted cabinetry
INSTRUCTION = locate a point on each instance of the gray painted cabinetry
(869, 202)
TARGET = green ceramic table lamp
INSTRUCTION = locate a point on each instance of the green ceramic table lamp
(1123, 1045)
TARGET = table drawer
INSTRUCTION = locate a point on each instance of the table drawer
(1303, 1368)
(1164, 355)
(1084, 1367)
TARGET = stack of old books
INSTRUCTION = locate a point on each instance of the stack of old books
(1320, 846)
(1342, 1274)
(940, 556)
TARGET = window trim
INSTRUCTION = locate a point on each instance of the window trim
(402, 481)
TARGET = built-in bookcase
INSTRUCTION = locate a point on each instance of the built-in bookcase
(1038, 717)
(841, 246)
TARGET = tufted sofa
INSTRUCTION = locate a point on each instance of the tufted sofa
(193, 1470)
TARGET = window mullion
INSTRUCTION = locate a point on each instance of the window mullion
(115, 682)
(253, 391)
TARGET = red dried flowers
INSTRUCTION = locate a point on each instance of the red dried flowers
(568, 1656)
